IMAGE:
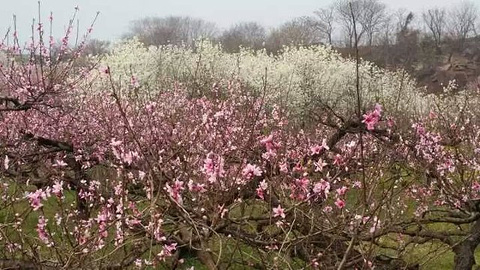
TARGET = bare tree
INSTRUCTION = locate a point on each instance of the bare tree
(403, 19)
(435, 21)
(96, 47)
(297, 32)
(387, 31)
(462, 20)
(326, 17)
(373, 16)
(369, 16)
(247, 34)
(171, 30)
(344, 10)
(405, 51)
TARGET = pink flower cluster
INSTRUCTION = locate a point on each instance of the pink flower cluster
(261, 189)
(250, 171)
(279, 212)
(213, 167)
(42, 231)
(37, 197)
(175, 191)
(371, 118)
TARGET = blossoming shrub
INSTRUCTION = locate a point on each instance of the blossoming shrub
(165, 184)
(115, 167)
(298, 77)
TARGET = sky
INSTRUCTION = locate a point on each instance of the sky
(115, 15)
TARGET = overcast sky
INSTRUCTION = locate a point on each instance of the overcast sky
(115, 15)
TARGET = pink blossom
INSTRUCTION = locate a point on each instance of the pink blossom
(260, 193)
(115, 143)
(317, 149)
(251, 170)
(476, 186)
(103, 217)
(300, 189)
(60, 163)
(36, 199)
(322, 187)
(371, 118)
(338, 160)
(298, 167)
(341, 191)
(283, 167)
(419, 129)
(175, 191)
(302, 182)
(41, 230)
(269, 155)
(195, 187)
(319, 165)
(375, 225)
(270, 145)
(262, 187)
(213, 167)
(119, 233)
(167, 251)
(57, 188)
(340, 203)
(278, 212)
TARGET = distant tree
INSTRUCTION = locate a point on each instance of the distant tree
(96, 47)
(326, 17)
(246, 34)
(373, 17)
(382, 55)
(435, 21)
(461, 21)
(171, 30)
(344, 10)
(405, 52)
(368, 14)
(387, 31)
(403, 20)
(297, 32)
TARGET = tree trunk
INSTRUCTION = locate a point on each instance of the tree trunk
(465, 250)
(206, 257)
(464, 256)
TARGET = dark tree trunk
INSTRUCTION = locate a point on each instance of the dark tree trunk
(206, 257)
(465, 250)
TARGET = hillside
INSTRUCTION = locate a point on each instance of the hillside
(430, 69)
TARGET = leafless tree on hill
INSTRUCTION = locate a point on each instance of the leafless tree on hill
(462, 20)
(435, 21)
(326, 16)
(369, 15)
